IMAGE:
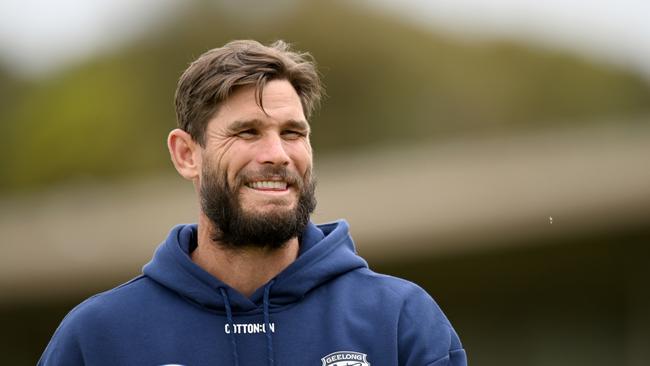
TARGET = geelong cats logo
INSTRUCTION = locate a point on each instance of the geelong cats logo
(345, 358)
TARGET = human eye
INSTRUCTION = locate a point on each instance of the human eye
(247, 134)
(293, 134)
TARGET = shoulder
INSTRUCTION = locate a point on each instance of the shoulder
(399, 298)
(84, 325)
(401, 292)
(107, 309)
(425, 334)
(113, 301)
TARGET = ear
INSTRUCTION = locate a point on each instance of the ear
(185, 154)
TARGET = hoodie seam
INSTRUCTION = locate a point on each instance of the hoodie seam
(93, 299)
(116, 288)
(399, 322)
(448, 355)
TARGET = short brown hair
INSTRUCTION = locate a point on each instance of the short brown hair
(215, 75)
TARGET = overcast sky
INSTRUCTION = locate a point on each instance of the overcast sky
(41, 35)
(38, 35)
(615, 31)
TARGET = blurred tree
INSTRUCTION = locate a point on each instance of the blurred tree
(388, 82)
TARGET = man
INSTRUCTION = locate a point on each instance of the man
(254, 282)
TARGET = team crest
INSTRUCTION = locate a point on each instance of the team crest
(345, 358)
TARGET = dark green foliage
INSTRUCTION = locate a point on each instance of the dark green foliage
(387, 82)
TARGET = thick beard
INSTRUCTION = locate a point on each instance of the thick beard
(233, 228)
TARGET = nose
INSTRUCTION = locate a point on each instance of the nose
(273, 151)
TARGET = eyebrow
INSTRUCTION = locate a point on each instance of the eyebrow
(237, 126)
(296, 125)
(240, 125)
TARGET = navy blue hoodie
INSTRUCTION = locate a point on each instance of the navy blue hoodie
(327, 308)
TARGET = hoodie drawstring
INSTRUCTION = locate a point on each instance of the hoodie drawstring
(233, 340)
(267, 324)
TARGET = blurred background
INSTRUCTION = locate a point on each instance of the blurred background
(496, 153)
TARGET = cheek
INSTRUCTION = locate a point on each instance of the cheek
(223, 158)
(239, 159)
(302, 156)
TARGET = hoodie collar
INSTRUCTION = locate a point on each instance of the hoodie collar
(326, 251)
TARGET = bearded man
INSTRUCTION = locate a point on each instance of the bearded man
(254, 282)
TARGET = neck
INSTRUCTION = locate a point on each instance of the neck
(245, 269)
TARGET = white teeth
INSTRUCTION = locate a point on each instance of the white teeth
(268, 185)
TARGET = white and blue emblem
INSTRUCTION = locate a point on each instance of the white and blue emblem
(345, 358)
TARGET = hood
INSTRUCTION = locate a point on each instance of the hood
(326, 252)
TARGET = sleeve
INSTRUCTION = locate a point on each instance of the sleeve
(425, 335)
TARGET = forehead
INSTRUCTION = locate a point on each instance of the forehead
(279, 98)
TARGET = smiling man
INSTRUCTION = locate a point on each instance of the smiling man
(254, 282)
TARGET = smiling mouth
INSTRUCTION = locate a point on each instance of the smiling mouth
(268, 185)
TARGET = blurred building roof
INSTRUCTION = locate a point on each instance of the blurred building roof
(403, 201)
